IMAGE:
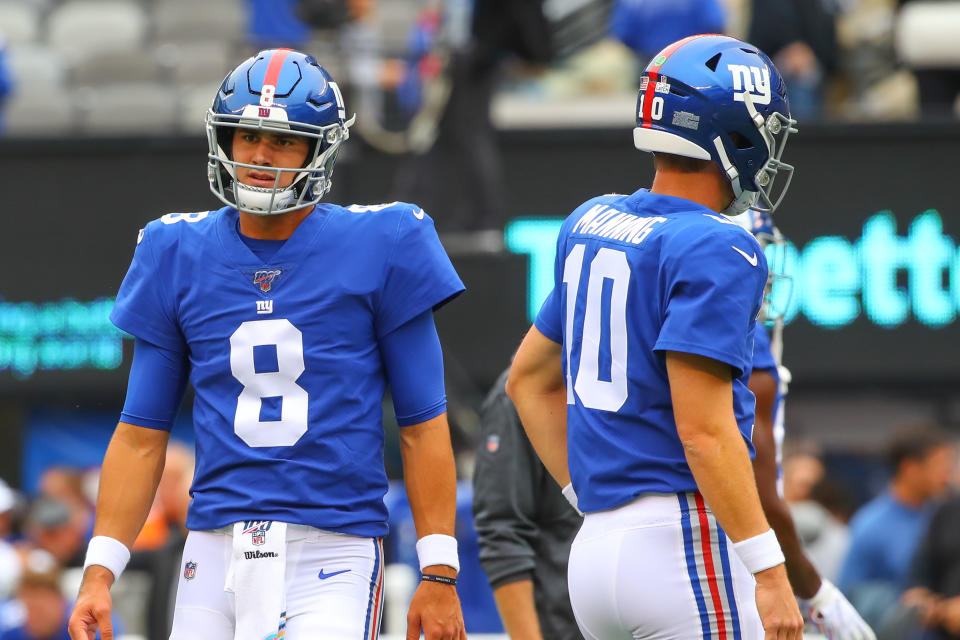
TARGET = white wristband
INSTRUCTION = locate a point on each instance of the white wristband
(571, 497)
(437, 548)
(760, 552)
(107, 552)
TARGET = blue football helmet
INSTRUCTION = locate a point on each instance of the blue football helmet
(713, 97)
(276, 90)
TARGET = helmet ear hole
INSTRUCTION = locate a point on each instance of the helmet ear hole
(741, 141)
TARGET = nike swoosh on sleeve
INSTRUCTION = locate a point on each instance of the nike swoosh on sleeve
(418, 214)
(751, 259)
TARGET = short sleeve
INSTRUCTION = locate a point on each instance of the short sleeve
(419, 274)
(549, 320)
(762, 352)
(712, 289)
(143, 309)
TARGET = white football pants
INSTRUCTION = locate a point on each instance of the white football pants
(660, 568)
(334, 586)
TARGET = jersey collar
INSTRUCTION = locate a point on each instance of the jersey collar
(293, 250)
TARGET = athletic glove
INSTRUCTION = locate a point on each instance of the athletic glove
(834, 616)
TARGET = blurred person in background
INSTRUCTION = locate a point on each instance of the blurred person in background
(647, 26)
(10, 563)
(44, 608)
(821, 601)
(460, 172)
(801, 471)
(6, 80)
(53, 527)
(159, 545)
(525, 527)
(275, 23)
(66, 485)
(935, 573)
(885, 532)
(820, 508)
(821, 522)
(801, 36)
(306, 312)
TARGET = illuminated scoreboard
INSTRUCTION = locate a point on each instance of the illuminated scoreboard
(66, 335)
(886, 278)
(872, 293)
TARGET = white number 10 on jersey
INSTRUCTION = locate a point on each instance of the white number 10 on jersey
(607, 264)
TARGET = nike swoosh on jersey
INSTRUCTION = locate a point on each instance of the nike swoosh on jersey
(418, 214)
(751, 259)
(324, 576)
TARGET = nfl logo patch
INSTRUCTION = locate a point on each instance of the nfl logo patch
(257, 530)
(493, 443)
(264, 278)
(190, 570)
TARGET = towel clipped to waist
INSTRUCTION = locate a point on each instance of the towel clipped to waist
(257, 578)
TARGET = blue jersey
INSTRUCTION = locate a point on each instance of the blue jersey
(284, 356)
(637, 276)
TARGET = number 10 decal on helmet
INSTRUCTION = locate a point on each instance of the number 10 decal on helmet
(277, 91)
(712, 97)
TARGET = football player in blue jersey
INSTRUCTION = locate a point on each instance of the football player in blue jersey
(289, 317)
(823, 603)
(632, 383)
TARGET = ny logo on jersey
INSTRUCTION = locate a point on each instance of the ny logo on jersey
(264, 306)
(257, 530)
(752, 80)
(264, 278)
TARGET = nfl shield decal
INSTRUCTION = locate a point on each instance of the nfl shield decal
(264, 278)
(190, 570)
(257, 530)
(493, 443)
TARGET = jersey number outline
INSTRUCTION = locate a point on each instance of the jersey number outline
(257, 386)
(607, 264)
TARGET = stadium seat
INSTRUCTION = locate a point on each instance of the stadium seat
(127, 109)
(194, 63)
(39, 111)
(926, 35)
(19, 22)
(82, 29)
(197, 22)
(194, 102)
(36, 66)
(112, 67)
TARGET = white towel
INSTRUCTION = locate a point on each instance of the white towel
(256, 577)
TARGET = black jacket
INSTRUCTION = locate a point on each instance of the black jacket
(525, 525)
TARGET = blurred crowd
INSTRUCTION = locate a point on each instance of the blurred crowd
(897, 556)
(843, 59)
(890, 545)
(43, 540)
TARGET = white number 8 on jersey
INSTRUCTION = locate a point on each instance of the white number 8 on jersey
(282, 383)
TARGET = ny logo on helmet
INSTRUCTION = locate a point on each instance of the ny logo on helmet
(752, 80)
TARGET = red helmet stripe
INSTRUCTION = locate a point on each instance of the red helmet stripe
(648, 98)
(274, 67)
(653, 73)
